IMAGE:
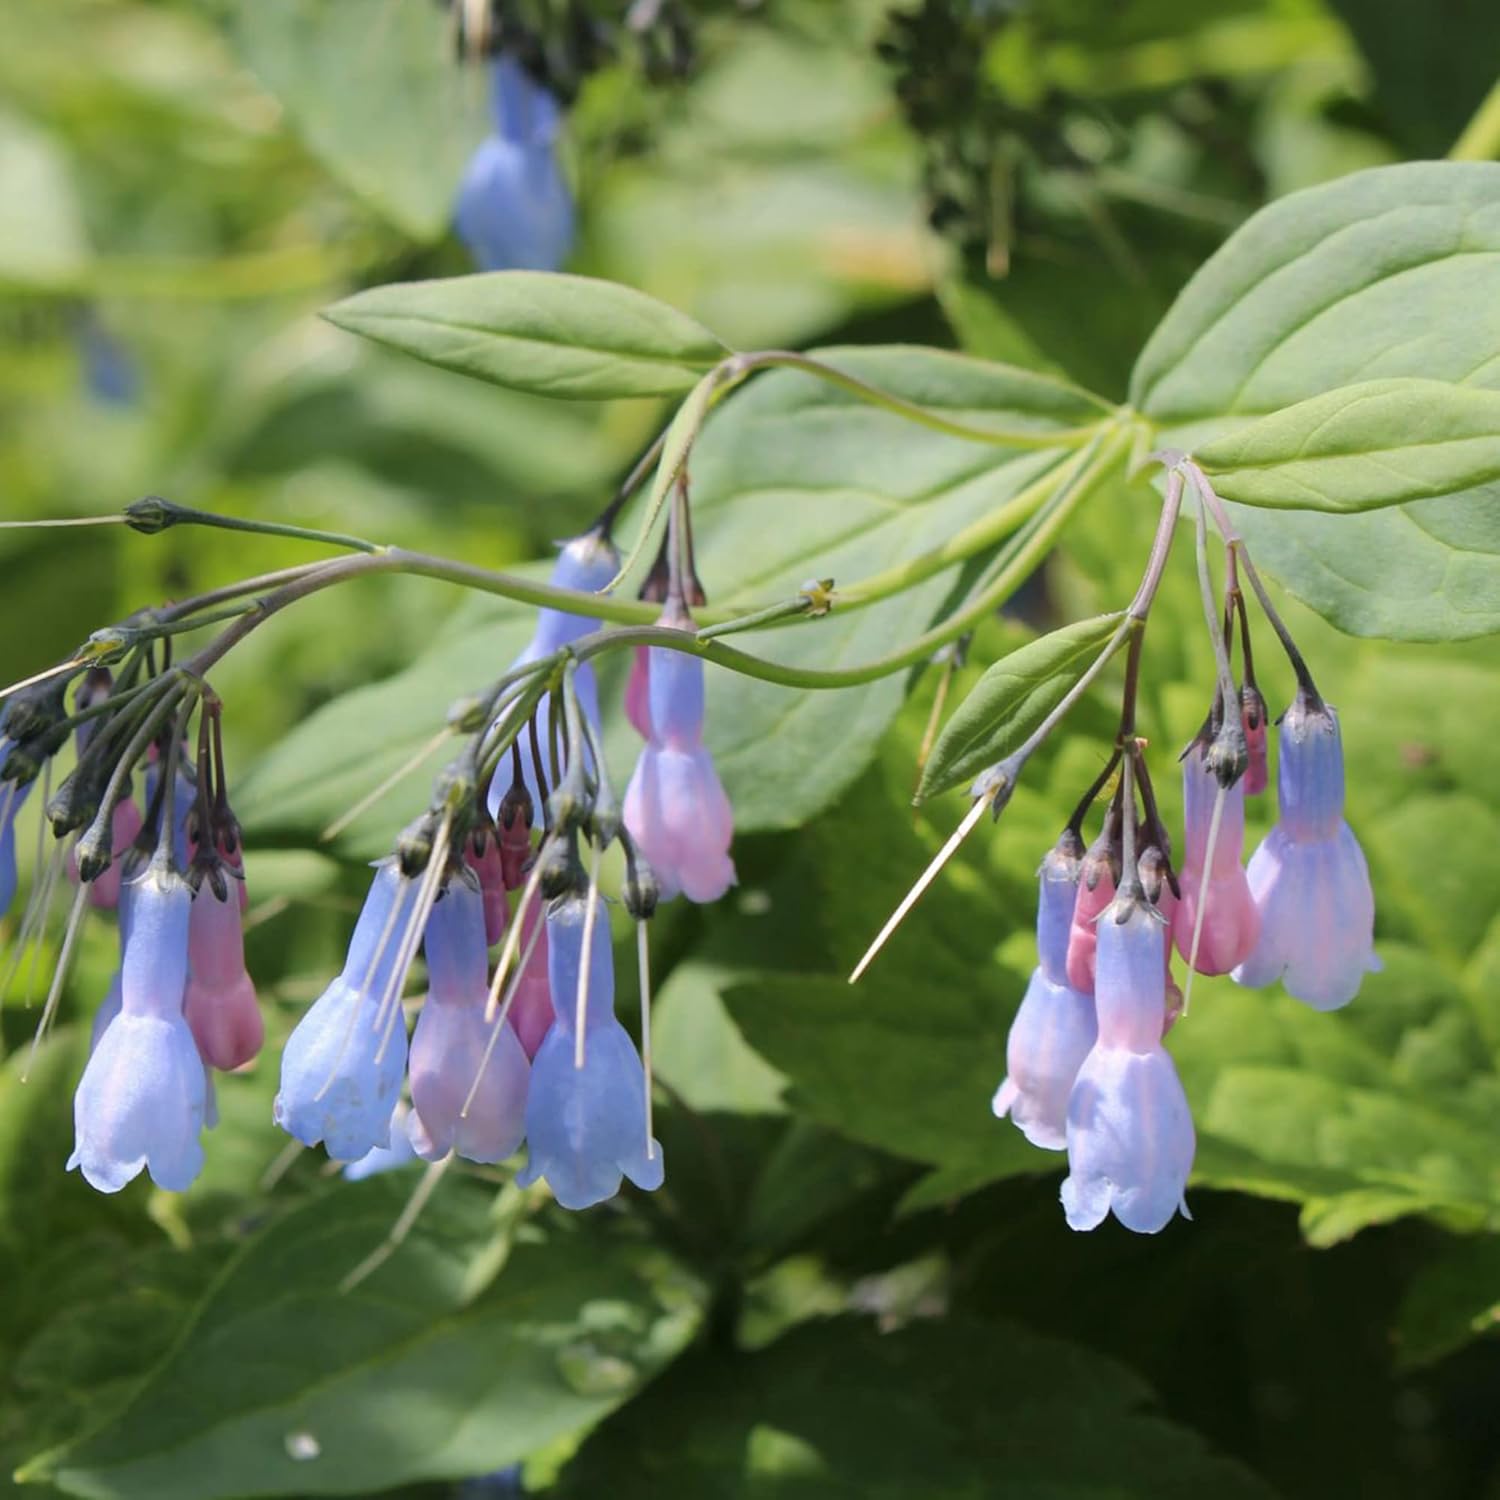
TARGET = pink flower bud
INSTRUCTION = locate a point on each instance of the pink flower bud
(220, 1003)
(1230, 921)
(1083, 935)
(489, 866)
(638, 692)
(531, 1010)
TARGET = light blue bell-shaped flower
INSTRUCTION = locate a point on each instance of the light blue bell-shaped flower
(675, 805)
(1055, 1027)
(140, 1104)
(586, 1127)
(1129, 1131)
(1308, 878)
(342, 1067)
(452, 1047)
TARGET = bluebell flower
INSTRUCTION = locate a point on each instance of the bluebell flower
(1130, 1133)
(675, 806)
(451, 1044)
(1055, 1028)
(1308, 878)
(586, 1127)
(221, 1005)
(141, 1101)
(514, 209)
(342, 1067)
(587, 563)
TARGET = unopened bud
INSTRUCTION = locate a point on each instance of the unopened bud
(151, 514)
(467, 715)
(1227, 756)
(1152, 869)
(516, 803)
(94, 851)
(997, 784)
(32, 711)
(76, 800)
(559, 870)
(414, 845)
(1253, 716)
(641, 891)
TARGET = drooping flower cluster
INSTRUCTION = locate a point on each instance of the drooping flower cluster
(530, 1053)
(1086, 1068)
(182, 1004)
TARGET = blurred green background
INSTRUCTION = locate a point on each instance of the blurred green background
(856, 1282)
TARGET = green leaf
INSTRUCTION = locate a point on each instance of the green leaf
(1362, 447)
(1011, 700)
(911, 1076)
(376, 95)
(1385, 274)
(273, 1383)
(1454, 1298)
(1423, 572)
(553, 335)
(838, 1408)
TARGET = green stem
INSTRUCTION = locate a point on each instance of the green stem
(972, 539)
(744, 365)
(1480, 140)
(186, 515)
(1027, 554)
(1029, 547)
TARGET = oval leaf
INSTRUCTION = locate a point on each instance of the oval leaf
(1010, 700)
(1362, 447)
(269, 1388)
(1388, 273)
(554, 335)
(1385, 273)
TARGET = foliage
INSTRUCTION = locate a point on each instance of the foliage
(1024, 246)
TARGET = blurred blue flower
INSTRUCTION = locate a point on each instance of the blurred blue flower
(514, 209)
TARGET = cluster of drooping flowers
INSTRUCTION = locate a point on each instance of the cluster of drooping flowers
(1086, 1069)
(529, 1050)
(519, 1049)
(181, 1005)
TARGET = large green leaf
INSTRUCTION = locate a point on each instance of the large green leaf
(554, 335)
(1383, 273)
(373, 89)
(1388, 273)
(1011, 700)
(938, 1411)
(280, 1384)
(1362, 447)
